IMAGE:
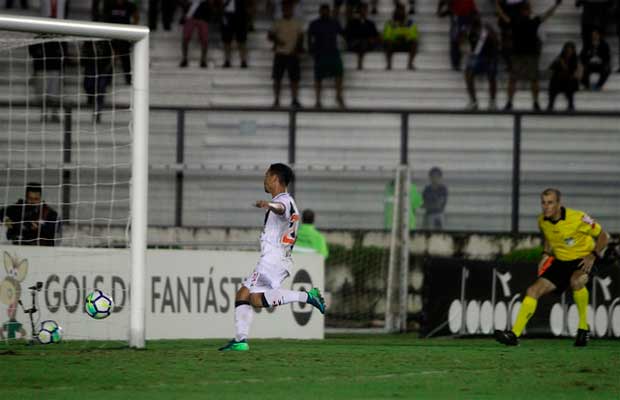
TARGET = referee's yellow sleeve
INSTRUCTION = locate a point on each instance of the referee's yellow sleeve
(590, 226)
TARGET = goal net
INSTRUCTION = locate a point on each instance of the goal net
(73, 176)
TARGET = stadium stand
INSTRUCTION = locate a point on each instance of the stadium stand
(343, 160)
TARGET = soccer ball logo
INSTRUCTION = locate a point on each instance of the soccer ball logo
(99, 305)
(50, 332)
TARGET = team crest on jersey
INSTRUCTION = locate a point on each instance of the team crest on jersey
(569, 241)
(588, 220)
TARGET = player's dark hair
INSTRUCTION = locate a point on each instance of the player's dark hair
(435, 171)
(307, 216)
(33, 187)
(283, 172)
(549, 191)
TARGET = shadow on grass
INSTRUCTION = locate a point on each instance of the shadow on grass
(25, 348)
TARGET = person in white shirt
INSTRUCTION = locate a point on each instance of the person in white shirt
(263, 287)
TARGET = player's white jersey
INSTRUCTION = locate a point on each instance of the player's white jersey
(280, 232)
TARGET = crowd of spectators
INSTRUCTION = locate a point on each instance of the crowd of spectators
(517, 41)
(519, 44)
(355, 29)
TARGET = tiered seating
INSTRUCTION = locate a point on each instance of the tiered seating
(344, 161)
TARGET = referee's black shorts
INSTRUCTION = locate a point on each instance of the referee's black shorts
(288, 63)
(560, 272)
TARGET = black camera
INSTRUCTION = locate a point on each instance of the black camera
(21, 214)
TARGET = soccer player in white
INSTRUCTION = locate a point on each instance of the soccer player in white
(262, 288)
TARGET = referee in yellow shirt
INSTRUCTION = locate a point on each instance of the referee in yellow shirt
(572, 243)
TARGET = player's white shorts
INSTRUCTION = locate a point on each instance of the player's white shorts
(265, 277)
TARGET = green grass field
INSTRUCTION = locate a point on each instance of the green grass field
(340, 367)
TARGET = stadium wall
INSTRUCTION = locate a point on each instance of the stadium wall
(189, 293)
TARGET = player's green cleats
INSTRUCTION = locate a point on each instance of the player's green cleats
(234, 345)
(315, 299)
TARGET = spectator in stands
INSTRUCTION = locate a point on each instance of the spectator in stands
(593, 16)
(512, 9)
(97, 60)
(323, 45)
(48, 62)
(168, 8)
(353, 6)
(309, 239)
(400, 35)
(361, 34)
(54, 8)
(336, 7)
(482, 60)
(95, 10)
(415, 201)
(435, 197)
(251, 13)
(122, 12)
(461, 14)
(564, 76)
(196, 19)
(287, 35)
(235, 26)
(30, 222)
(526, 48)
(595, 58)
(411, 7)
(24, 4)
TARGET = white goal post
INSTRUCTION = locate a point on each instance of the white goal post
(139, 37)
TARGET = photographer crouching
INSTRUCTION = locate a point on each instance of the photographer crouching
(30, 222)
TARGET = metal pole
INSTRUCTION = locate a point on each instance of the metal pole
(494, 292)
(404, 249)
(178, 209)
(389, 314)
(292, 143)
(66, 159)
(516, 172)
(464, 276)
(139, 187)
(404, 138)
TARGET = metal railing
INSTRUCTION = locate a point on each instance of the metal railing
(405, 137)
(292, 146)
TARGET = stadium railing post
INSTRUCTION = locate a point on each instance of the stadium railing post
(66, 159)
(180, 176)
(404, 247)
(516, 172)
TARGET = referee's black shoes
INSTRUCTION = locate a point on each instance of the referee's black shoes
(507, 337)
(583, 336)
